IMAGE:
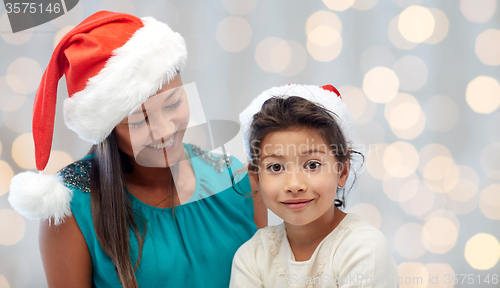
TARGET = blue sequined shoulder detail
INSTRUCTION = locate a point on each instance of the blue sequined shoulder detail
(77, 175)
(215, 159)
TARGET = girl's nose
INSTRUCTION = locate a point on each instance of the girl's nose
(294, 182)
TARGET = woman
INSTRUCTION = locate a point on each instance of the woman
(142, 209)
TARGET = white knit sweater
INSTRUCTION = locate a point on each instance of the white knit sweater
(354, 254)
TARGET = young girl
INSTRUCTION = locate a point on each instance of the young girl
(301, 157)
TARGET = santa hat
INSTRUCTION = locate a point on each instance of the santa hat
(327, 96)
(113, 63)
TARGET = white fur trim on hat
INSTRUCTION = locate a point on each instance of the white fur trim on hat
(38, 196)
(137, 70)
(313, 93)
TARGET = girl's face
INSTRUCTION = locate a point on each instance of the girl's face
(157, 128)
(299, 175)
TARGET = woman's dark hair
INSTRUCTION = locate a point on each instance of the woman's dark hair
(112, 212)
(278, 114)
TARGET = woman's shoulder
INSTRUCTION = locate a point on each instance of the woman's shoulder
(76, 176)
(214, 160)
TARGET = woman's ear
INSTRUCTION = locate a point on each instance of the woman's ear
(344, 172)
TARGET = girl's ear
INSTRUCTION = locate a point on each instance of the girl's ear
(344, 173)
(254, 178)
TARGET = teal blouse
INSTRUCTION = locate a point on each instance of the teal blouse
(194, 249)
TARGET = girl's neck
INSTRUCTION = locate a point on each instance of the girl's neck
(304, 239)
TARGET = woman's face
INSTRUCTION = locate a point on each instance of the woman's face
(152, 135)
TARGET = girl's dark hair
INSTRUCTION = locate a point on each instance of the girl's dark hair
(278, 114)
(112, 212)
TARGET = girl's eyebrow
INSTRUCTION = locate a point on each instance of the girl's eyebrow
(311, 151)
(271, 155)
(169, 96)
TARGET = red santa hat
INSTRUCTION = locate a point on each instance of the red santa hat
(113, 63)
(328, 96)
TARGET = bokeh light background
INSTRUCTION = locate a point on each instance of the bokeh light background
(421, 78)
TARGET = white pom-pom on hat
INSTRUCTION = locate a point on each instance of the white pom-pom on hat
(38, 196)
(327, 96)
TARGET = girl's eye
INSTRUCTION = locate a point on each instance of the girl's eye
(275, 167)
(137, 124)
(175, 105)
(313, 165)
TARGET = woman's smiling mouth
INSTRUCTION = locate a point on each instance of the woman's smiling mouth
(165, 146)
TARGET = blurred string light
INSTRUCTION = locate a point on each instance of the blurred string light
(364, 4)
(396, 38)
(439, 271)
(439, 235)
(410, 273)
(14, 103)
(483, 94)
(417, 24)
(12, 227)
(489, 202)
(276, 55)
(421, 203)
(482, 251)
(478, 11)
(487, 47)
(442, 25)
(6, 175)
(23, 151)
(361, 108)
(401, 189)
(23, 75)
(239, 7)
(368, 212)
(400, 159)
(374, 160)
(338, 5)
(405, 117)
(380, 84)
(17, 113)
(323, 31)
(233, 34)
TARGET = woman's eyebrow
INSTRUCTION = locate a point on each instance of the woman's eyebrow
(169, 96)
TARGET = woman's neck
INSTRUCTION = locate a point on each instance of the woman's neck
(304, 239)
(157, 185)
